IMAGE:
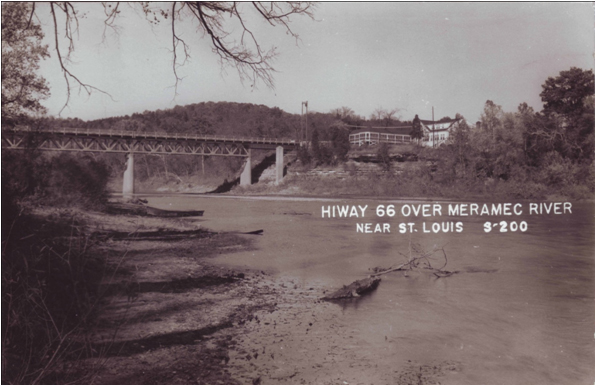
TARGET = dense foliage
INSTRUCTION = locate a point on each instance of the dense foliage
(50, 285)
(531, 153)
(334, 149)
(22, 88)
(417, 133)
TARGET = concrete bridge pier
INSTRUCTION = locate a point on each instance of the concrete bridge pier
(279, 164)
(246, 176)
(128, 183)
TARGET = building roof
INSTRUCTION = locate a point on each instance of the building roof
(439, 126)
(399, 130)
(425, 122)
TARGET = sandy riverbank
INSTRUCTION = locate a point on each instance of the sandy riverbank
(171, 316)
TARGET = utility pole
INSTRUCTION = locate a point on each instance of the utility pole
(305, 105)
(301, 134)
(433, 126)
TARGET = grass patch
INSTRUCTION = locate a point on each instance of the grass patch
(50, 282)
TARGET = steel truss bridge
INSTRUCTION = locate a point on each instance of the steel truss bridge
(131, 143)
(110, 141)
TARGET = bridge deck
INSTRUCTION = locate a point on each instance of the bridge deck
(155, 135)
(118, 141)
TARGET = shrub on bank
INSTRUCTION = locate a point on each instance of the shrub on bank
(50, 287)
(50, 280)
(63, 180)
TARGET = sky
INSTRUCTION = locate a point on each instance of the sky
(452, 56)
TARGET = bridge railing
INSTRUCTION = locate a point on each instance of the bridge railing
(157, 135)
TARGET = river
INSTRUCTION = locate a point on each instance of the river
(521, 310)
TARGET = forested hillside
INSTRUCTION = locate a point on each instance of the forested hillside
(221, 118)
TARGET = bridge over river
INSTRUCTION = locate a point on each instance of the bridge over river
(131, 143)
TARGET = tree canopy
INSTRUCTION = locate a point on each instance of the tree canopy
(22, 88)
(417, 132)
(566, 93)
(569, 104)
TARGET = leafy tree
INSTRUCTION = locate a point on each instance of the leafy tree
(542, 134)
(586, 122)
(490, 119)
(384, 157)
(340, 141)
(460, 146)
(417, 132)
(320, 152)
(566, 93)
(22, 88)
(524, 110)
(508, 153)
(568, 104)
(315, 144)
(304, 155)
(343, 113)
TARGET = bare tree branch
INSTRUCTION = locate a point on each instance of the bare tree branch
(412, 261)
(31, 15)
(283, 18)
(67, 74)
(251, 60)
(111, 14)
(259, 62)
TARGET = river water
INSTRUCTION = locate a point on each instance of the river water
(521, 310)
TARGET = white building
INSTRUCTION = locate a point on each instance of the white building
(436, 133)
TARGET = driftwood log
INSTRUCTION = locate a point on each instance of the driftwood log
(139, 208)
(165, 234)
(413, 262)
(158, 235)
(420, 263)
(355, 289)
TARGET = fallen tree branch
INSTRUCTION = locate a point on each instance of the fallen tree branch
(357, 288)
(414, 260)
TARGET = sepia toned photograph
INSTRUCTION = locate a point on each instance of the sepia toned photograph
(298, 193)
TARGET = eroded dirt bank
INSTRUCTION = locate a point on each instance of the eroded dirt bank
(170, 316)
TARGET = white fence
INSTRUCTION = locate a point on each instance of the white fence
(371, 138)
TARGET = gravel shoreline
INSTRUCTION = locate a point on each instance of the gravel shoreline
(171, 316)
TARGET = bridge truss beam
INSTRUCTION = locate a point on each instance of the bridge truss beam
(64, 142)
